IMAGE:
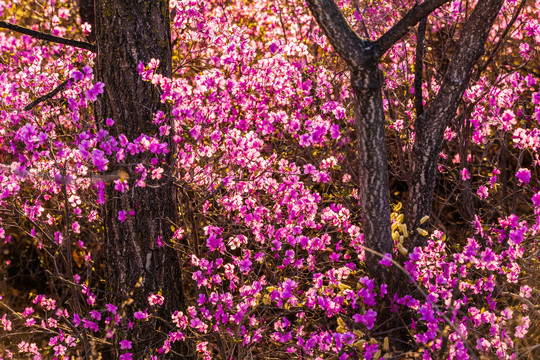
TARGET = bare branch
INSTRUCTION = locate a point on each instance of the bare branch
(502, 39)
(48, 37)
(403, 26)
(431, 124)
(419, 67)
(354, 50)
(46, 96)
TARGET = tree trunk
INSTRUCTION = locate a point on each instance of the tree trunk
(431, 124)
(372, 165)
(127, 33)
(362, 58)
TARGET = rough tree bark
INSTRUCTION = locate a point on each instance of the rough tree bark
(431, 124)
(127, 33)
(362, 58)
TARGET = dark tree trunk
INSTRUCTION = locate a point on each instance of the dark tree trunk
(362, 57)
(431, 124)
(372, 165)
(127, 33)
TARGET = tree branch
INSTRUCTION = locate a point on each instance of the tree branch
(350, 47)
(46, 96)
(48, 37)
(419, 67)
(431, 124)
(403, 26)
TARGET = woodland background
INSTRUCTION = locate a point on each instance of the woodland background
(230, 179)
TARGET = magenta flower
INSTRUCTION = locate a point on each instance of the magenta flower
(95, 315)
(273, 47)
(139, 315)
(245, 265)
(334, 131)
(465, 174)
(92, 94)
(77, 75)
(483, 192)
(125, 344)
(305, 140)
(524, 175)
(155, 299)
(386, 260)
(98, 160)
(122, 216)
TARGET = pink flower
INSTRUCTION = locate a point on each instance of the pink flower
(91, 94)
(309, 169)
(95, 315)
(525, 291)
(386, 260)
(125, 344)
(109, 122)
(126, 356)
(483, 192)
(305, 140)
(334, 131)
(155, 299)
(122, 215)
(98, 160)
(465, 174)
(522, 329)
(76, 227)
(139, 315)
(524, 175)
(111, 308)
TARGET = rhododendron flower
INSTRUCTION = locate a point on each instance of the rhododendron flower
(483, 192)
(386, 260)
(98, 160)
(525, 291)
(77, 75)
(92, 94)
(122, 215)
(334, 131)
(523, 328)
(95, 315)
(465, 174)
(155, 299)
(139, 315)
(111, 308)
(524, 175)
(125, 344)
(367, 319)
(305, 140)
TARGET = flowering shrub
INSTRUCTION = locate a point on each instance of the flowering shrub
(271, 240)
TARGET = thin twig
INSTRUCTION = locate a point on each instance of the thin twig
(48, 37)
(46, 96)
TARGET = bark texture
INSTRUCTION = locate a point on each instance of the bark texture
(431, 124)
(127, 33)
(362, 57)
